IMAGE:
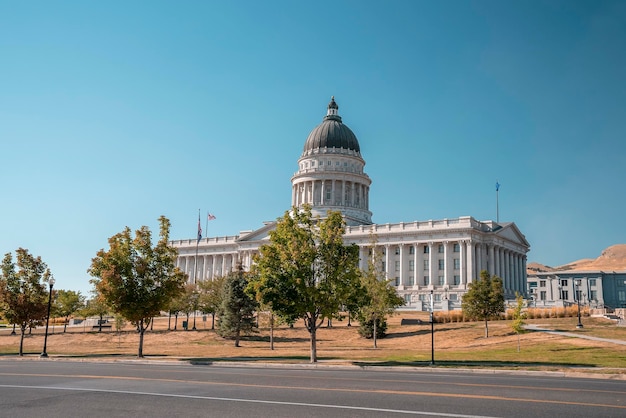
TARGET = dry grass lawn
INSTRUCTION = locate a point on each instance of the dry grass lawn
(455, 344)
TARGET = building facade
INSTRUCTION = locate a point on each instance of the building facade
(594, 288)
(438, 256)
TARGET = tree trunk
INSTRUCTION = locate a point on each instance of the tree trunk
(271, 331)
(169, 321)
(486, 328)
(212, 320)
(237, 335)
(374, 333)
(100, 324)
(23, 329)
(141, 330)
(312, 326)
(175, 321)
(67, 318)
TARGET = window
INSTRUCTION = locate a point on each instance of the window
(422, 297)
(542, 283)
(457, 279)
(407, 298)
(411, 250)
(593, 295)
(564, 283)
(397, 250)
(337, 163)
(411, 265)
(397, 281)
(411, 280)
(437, 297)
(542, 295)
(457, 248)
(425, 264)
(453, 296)
(440, 248)
(621, 295)
(564, 294)
(457, 264)
(442, 264)
(384, 266)
(329, 162)
(592, 282)
(426, 249)
(312, 163)
(440, 280)
(397, 266)
(328, 194)
(426, 280)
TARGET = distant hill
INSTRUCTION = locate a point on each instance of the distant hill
(611, 259)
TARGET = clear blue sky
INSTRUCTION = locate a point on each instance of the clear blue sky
(114, 113)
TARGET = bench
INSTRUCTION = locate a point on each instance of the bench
(102, 326)
(411, 321)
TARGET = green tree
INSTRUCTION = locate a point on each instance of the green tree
(135, 279)
(210, 296)
(306, 271)
(96, 306)
(23, 291)
(380, 298)
(236, 313)
(518, 318)
(484, 299)
(66, 303)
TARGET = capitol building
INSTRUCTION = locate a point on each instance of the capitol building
(442, 256)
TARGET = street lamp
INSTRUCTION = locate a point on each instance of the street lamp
(432, 329)
(577, 283)
(195, 308)
(45, 339)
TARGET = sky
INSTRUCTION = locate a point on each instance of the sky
(115, 113)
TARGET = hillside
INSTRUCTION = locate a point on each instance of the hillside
(612, 258)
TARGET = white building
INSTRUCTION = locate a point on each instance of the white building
(439, 255)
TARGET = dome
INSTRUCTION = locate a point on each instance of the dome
(331, 133)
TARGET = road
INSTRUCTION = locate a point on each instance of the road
(55, 388)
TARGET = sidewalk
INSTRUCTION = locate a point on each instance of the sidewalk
(532, 327)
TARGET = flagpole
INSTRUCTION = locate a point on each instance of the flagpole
(206, 230)
(195, 263)
(497, 202)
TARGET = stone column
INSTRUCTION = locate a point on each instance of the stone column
(462, 262)
(446, 264)
(431, 270)
(387, 262)
(418, 265)
(403, 269)
(471, 254)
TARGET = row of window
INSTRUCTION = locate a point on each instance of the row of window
(562, 283)
(329, 163)
(456, 280)
(441, 264)
(440, 249)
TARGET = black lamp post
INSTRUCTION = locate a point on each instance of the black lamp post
(45, 339)
(432, 329)
(195, 308)
(577, 282)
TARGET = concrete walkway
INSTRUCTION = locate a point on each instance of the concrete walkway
(532, 327)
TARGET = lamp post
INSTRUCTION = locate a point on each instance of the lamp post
(45, 339)
(432, 329)
(195, 308)
(577, 283)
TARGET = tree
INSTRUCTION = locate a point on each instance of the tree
(210, 296)
(484, 299)
(236, 313)
(23, 292)
(518, 318)
(380, 298)
(306, 271)
(135, 279)
(96, 306)
(66, 303)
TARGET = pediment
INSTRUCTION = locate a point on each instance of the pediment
(511, 232)
(260, 234)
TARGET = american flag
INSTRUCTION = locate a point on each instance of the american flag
(211, 217)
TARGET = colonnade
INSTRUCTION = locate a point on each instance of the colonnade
(449, 264)
(330, 193)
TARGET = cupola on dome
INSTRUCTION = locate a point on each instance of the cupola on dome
(331, 133)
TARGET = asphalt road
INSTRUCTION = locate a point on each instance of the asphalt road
(54, 388)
